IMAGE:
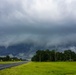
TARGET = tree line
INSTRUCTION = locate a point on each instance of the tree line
(8, 58)
(54, 55)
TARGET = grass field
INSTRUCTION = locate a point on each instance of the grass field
(7, 62)
(43, 68)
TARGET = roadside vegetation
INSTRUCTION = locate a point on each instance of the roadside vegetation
(54, 55)
(42, 68)
(8, 58)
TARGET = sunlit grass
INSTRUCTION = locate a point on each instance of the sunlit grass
(42, 68)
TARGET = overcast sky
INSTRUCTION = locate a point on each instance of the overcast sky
(49, 22)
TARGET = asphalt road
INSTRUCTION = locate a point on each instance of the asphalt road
(4, 66)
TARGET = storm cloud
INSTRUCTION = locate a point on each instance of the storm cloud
(49, 22)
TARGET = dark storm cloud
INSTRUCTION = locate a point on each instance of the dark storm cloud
(49, 22)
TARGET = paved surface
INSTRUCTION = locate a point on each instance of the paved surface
(4, 66)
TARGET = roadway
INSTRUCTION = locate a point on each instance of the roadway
(9, 65)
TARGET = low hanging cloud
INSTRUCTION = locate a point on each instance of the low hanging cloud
(49, 22)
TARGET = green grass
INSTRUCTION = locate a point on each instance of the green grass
(43, 68)
(7, 62)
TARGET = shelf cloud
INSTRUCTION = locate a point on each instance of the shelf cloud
(49, 22)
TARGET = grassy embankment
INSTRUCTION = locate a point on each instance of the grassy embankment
(43, 68)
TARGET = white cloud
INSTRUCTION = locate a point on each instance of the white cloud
(11, 55)
(37, 10)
